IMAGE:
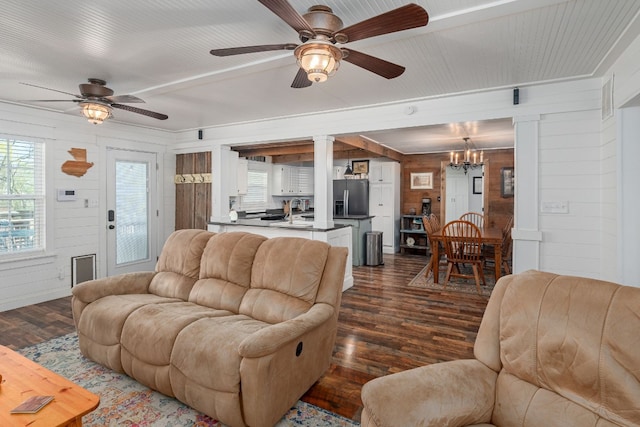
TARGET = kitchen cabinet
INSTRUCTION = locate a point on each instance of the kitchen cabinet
(238, 182)
(384, 202)
(382, 172)
(292, 181)
(243, 176)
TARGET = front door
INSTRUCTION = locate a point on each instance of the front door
(132, 214)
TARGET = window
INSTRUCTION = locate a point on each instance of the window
(257, 195)
(22, 196)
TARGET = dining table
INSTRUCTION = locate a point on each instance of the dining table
(489, 236)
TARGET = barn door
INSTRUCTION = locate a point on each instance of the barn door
(193, 190)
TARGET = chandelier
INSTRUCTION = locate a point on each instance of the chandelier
(96, 111)
(319, 59)
(469, 158)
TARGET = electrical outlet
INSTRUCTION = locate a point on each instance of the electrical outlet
(561, 207)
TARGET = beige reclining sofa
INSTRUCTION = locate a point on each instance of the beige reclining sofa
(235, 325)
(551, 351)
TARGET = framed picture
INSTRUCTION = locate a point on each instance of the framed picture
(360, 166)
(477, 185)
(507, 182)
(422, 181)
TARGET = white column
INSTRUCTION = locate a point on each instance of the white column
(323, 181)
(526, 232)
(628, 121)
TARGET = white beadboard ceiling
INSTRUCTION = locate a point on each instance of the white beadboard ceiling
(158, 50)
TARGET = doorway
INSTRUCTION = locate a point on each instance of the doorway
(457, 196)
(132, 215)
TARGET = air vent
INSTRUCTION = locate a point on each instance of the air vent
(83, 268)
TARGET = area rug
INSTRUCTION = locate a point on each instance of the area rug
(125, 402)
(456, 284)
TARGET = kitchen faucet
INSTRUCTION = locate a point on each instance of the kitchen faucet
(291, 208)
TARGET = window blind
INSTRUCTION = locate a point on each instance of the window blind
(257, 195)
(22, 196)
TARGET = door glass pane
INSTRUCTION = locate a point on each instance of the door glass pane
(131, 212)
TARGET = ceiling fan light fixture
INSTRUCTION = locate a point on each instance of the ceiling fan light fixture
(96, 112)
(319, 59)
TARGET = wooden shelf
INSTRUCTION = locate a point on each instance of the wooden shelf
(411, 227)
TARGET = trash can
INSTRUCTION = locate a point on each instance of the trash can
(374, 248)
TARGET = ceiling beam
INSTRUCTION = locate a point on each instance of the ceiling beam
(371, 147)
(348, 147)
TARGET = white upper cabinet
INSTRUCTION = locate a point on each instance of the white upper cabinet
(382, 172)
(292, 180)
(243, 175)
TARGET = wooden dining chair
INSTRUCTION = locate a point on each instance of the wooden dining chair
(488, 253)
(431, 224)
(474, 217)
(463, 245)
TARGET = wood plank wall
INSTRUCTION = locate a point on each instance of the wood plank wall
(193, 200)
(499, 209)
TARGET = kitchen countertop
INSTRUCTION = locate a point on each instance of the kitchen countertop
(354, 217)
(268, 223)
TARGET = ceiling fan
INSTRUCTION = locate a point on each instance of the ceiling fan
(320, 30)
(97, 101)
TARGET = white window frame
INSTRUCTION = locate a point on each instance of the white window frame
(13, 246)
(245, 202)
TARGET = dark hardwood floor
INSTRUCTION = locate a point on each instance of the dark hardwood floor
(384, 327)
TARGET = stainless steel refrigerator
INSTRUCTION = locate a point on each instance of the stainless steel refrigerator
(350, 197)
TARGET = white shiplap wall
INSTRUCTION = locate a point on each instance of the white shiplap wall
(621, 237)
(569, 172)
(72, 228)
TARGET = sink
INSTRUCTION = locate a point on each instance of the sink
(295, 224)
(272, 217)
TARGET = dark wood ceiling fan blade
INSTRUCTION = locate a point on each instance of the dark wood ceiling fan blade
(128, 99)
(288, 14)
(252, 49)
(48, 88)
(378, 66)
(50, 100)
(153, 114)
(400, 19)
(301, 80)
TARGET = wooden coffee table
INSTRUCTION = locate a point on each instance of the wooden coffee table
(23, 378)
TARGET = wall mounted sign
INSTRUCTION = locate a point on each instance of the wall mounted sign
(79, 166)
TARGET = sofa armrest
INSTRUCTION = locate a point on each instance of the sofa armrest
(269, 340)
(457, 393)
(129, 283)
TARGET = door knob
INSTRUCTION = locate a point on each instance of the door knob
(111, 227)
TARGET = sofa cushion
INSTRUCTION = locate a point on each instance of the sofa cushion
(225, 271)
(101, 323)
(285, 278)
(205, 365)
(178, 267)
(148, 338)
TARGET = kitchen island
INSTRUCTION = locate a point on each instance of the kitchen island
(360, 226)
(339, 235)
